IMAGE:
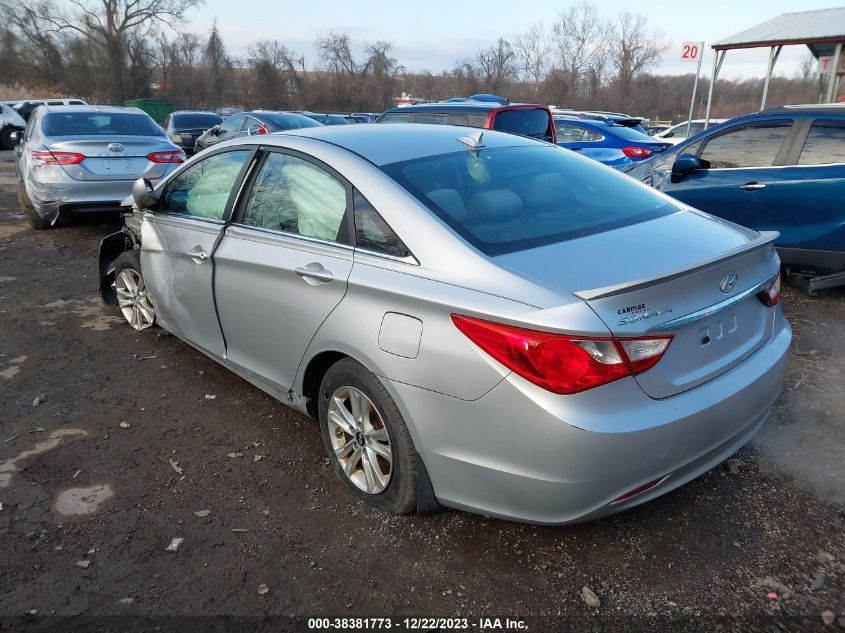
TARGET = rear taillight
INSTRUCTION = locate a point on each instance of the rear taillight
(175, 156)
(562, 363)
(56, 158)
(636, 152)
(770, 296)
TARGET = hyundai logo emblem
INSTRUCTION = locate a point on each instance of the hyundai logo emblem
(115, 147)
(728, 282)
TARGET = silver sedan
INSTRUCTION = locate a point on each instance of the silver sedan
(477, 320)
(78, 159)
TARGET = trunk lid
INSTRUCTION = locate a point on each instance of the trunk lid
(102, 163)
(663, 277)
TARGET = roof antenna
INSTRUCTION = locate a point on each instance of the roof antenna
(473, 141)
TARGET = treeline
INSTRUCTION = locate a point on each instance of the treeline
(108, 51)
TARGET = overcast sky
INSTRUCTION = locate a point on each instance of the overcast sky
(432, 34)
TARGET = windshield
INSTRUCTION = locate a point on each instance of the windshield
(196, 120)
(283, 121)
(515, 198)
(100, 124)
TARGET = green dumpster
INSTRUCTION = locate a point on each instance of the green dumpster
(158, 109)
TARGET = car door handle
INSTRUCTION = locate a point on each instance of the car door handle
(314, 270)
(752, 186)
(197, 254)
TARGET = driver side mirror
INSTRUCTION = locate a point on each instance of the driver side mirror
(16, 137)
(686, 163)
(215, 130)
(143, 193)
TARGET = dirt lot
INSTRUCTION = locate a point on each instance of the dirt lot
(755, 544)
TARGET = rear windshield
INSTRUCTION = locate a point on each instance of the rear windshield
(533, 123)
(282, 121)
(196, 120)
(515, 198)
(99, 124)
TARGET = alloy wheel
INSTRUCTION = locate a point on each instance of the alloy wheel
(135, 304)
(360, 440)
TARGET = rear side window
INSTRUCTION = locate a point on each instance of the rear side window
(750, 146)
(99, 124)
(570, 133)
(533, 123)
(825, 144)
(372, 232)
(435, 119)
(203, 189)
(397, 117)
(514, 198)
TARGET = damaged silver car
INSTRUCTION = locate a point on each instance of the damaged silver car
(83, 159)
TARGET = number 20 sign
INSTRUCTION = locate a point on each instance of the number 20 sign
(692, 51)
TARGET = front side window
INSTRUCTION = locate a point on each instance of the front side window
(295, 196)
(509, 199)
(203, 189)
(750, 146)
(372, 232)
(825, 144)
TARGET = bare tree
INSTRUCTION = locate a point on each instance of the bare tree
(218, 67)
(580, 45)
(111, 26)
(277, 78)
(497, 65)
(335, 52)
(633, 48)
(532, 53)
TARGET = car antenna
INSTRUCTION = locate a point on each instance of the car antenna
(473, 141)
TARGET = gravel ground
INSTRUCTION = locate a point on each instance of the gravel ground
(97, 418)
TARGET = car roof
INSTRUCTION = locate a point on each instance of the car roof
(194, 112)
(399, 142)
(65, 109)
(828, 108)
(462, 107)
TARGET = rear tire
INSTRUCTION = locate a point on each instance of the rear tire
(358, 445)
(133, 300)
(37, 222)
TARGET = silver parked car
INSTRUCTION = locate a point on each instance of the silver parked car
(76, 159)
(476, 319)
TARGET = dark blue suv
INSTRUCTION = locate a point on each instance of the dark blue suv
(781, 169)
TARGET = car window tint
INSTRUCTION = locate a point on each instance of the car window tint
(295, 196)
(458, 119)
(752, 146)
(233, 124)
(533, 123)
(372, 232)
(203, 189)
(99, 124)
(825, 144)
(477, 120)
(397, 117)
(513, 198)
(435, 119)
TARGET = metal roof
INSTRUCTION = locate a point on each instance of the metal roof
(820, 30)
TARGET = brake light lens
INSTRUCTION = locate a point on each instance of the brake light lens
(560, 363)
(40, 159)
(175, 156)
(636, 152)
(771, 295)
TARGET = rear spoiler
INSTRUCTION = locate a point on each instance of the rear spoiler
(763, 239)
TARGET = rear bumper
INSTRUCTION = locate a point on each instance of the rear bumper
(522, 453)
(60, 194)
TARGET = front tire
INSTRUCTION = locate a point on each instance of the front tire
(135, 303)
(368, 442)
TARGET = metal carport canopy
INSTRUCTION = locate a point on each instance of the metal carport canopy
(822, 31)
